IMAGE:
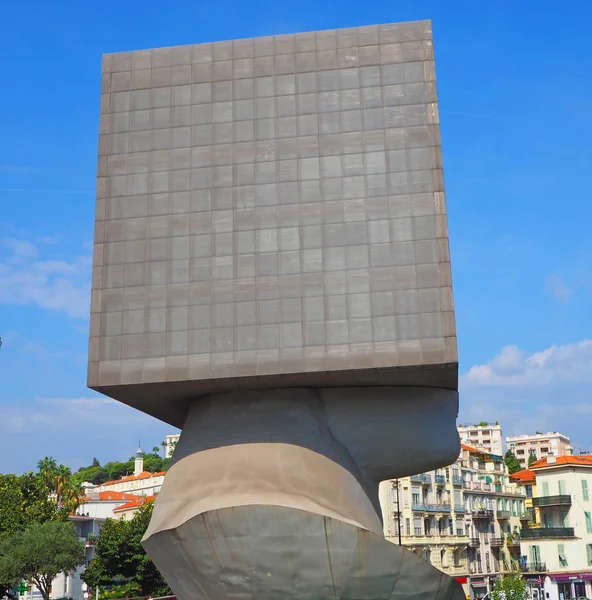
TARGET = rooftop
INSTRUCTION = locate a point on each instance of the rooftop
(524, 476)
(142, 475)
(136, 503)
(559, 461)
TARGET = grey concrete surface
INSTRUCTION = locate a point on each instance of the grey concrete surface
(271, 207)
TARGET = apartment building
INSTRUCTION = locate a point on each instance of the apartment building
(485, 435)
(540, 445)
(559, 544)
(460, 518)
(170, 443)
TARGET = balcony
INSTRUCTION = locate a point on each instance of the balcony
(496, 542)
(563, 500)
(459, 508)
(482, 513)
(440, 479)
(422, 478)
(473, 543)
(456, 480)
(431, 508)
(503, 515)
(533, 533)
(486, 487)
(527, 517)
(540, 567)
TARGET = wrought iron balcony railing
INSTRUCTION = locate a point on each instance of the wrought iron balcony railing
(530, 533)
(561, 500)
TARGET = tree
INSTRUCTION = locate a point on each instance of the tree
(40, 553)
(512, 462)
(531, 458)
(120, 559)
(24, 500)
(61, 485)
(509, 587)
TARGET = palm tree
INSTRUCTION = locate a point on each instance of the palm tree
(47, 468)
(164, 448)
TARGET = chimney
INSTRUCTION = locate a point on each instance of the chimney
(551, 460)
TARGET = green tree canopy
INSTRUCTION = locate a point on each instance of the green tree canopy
(40, 553)
(531, 458)
(120, 559)
(512, 462)
(63, 488)
(509, 587)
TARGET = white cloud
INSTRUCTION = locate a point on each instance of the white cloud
(557, 287)
(547, 390)
(513, 367)
(47, 282)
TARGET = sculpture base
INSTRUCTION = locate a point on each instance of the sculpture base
(274, 494)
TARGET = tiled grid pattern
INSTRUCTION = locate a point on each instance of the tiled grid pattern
(271, 205)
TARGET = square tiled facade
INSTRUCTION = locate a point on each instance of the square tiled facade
(271, 206)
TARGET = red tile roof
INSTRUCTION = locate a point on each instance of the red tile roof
(524, 476)
(109, 496)
(142, 475)
(136, 503)
(582, 461)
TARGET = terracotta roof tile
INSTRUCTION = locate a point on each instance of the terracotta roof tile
(109, 495)
(136, 503)
(524, 476)
(142, 475)
(584, 461)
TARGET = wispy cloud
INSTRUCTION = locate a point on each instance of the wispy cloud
(50, 283)
(556, 286)
(528, 391)
(73, 430)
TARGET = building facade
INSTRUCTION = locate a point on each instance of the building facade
(141, 483)
(559, 545)
(488, 436)
(540, 445)
(171, 443)
(463, 518)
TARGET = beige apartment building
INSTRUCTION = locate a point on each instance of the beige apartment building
(488, 436)
(460, 518)
(539, 444)
(559, 547)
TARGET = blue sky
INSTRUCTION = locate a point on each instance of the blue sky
(514, 92)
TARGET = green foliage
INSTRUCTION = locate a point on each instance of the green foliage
(60, 484)
(531, 458)
(97, 474)
(40, 553)
(509, 587)
(119, 558)
(512, 462)
(127, 590)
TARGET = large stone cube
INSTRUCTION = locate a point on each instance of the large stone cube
(271, 213)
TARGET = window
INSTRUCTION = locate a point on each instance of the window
(561, 555)
(561, 487)
(443, 560)
(589, 554)
(450, 527)
(535, 555)
(585, 495)
(588, 522)
(417, 527)
(529, 491)
(407, 526)
(545, 488)
(415, 497)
